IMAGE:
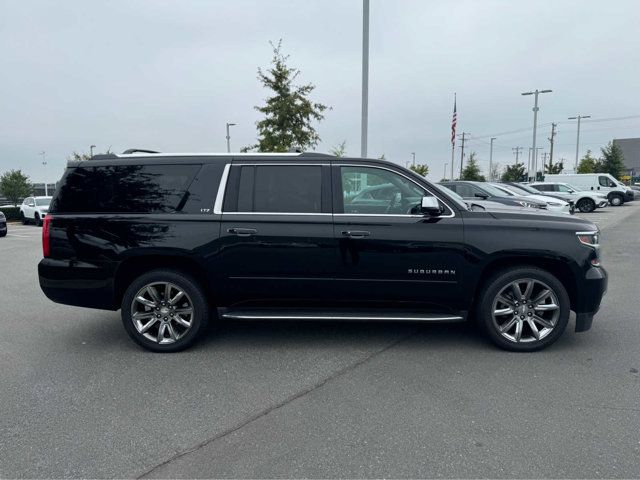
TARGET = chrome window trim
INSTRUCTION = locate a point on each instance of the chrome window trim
(222, 187)
(453, 213)
(274, 213)
(205, 154)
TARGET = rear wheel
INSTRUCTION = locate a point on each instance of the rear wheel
(23, 219)
(165, 310)
(616, 200)
(524, 309)
(586, 205)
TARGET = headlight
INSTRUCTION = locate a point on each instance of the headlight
(527, 204)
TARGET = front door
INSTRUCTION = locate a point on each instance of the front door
(276, 235)
(390, 254)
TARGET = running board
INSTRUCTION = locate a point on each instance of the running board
(268, 314)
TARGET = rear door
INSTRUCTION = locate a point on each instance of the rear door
(393, 255)
(278, 247)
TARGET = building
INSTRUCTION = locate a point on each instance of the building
(631, 151)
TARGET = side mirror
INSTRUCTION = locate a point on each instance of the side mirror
(479, 195)
(430, 206)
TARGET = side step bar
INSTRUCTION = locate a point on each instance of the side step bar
(268, 314)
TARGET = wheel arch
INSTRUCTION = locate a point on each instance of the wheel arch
(554, 265)
(131, 268)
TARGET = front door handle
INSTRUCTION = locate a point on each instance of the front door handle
(356, 233)
(242, 232)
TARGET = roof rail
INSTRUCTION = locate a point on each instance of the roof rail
(137, 150)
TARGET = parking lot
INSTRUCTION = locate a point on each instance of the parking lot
(267, 399)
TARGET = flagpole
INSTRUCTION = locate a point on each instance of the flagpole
(453, 151)
(454, 122)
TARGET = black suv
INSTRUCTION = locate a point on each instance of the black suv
(176, 239)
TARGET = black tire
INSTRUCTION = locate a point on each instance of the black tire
(503, 280)
(23, 219)
(586, 205)
(37, 219)
(616, 200)
(3, 234)
(194, 295)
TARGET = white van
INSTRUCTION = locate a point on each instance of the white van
(598, 182)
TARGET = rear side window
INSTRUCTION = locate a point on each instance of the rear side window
(544, 188)
(280, 189)
(125, 189)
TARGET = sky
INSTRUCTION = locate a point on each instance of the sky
(168, 75)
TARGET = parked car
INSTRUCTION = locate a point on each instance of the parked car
(34, 209)
(480, 205)
(484, 191)
(173, 240)
(586, 200)
(3, 225)
(636, 191)
(615, 191)
(553, 204)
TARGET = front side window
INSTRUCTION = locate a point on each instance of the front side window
(606, 182)
(280, 189)
(375, 191)
(563, 188)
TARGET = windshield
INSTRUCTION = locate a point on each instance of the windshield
(453, 196)
(524, 188)
(43, 202)
(494, 191)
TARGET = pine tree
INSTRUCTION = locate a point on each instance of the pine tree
(554, 168)
(288, 113)
(612, 161)
(587, 164)
(513, 173)
(340, 150)
(472, 170)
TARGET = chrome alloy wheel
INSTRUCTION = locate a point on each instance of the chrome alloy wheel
(162, 312)
(526, 310)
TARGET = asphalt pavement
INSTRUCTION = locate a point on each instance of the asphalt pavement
(268, 399)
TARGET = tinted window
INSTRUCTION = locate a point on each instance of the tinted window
(562, 188)
(464, 190)
(606, 182)
(280, 189)
(43, 202)
(376, 191)
(125, 189)
(544, 188)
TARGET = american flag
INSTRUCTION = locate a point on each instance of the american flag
(454, 121)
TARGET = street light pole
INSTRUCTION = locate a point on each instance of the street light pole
(44, 164)
(444, 173)
(535, 122)
(491, 158)
(91, 147)
(365, 78)
(228, 137)
(413, 154)
(579, 117)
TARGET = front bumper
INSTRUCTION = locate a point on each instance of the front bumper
(590, 293)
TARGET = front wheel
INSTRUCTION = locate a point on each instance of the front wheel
(586, 205)
(616, 200)
(38, 220)
(524, 309)
(165, 310)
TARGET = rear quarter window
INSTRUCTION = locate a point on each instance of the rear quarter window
(125, 189)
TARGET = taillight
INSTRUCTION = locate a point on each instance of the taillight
(46, 234)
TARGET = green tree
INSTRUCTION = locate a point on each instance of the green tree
(513, 173)
(471, 171)
(587, 164)
(420, 168)
(554, 168)
(288, 112)
(15, 186)
(340, 150)
(612, 161)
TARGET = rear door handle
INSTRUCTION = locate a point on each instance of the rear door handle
(242, 232)
(356, 233)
